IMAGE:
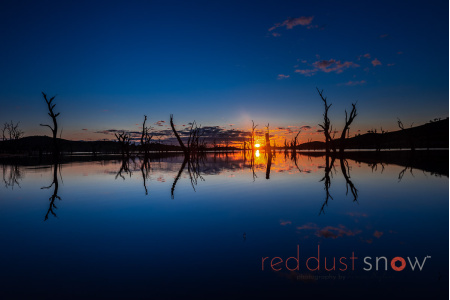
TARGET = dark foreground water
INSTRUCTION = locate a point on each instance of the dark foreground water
(108, 228)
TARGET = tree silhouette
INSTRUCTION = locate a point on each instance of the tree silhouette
(54, 129)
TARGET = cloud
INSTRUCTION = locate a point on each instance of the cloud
(329, 231)
(306, 72)
(282, 76)
(284, 223)
(356, 214)
(376, 62)
(84, 129)
(160, 123)
(276, 34)
(328, 66)
(335, 232)
(292, 22)
(332, 65)
(308, 226)
(377, 234)
(390, 65)
(353, 83)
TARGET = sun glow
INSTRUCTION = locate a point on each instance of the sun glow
(257, 145)
(257, 153)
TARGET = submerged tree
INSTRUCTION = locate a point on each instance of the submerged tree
(183, 147)
(54, 129)
(124, 140)
(348, 121)
(328, 129)
(252, 138)
(145, 137)
(326, 126)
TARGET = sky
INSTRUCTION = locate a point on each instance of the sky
(222, 63)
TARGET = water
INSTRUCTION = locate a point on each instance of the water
(114, 234)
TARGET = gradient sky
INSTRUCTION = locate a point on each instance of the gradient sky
(222, 63)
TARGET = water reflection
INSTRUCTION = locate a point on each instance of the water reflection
(56, 168)
(244, 205)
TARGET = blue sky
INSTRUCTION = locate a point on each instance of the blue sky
(222, 63)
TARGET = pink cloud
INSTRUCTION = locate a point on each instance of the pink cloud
(329, 231)
(332, 65)
(306, 72)
(284, 223)
(377, 234)
(282, 76)
(292, 22)
(353, 83)
(327, 66)
(376, 62)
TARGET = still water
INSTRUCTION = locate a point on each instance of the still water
(210, 229)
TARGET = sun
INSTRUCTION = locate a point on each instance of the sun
(257, 145)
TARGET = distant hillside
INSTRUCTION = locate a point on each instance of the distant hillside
(430, 135)
(43, 144)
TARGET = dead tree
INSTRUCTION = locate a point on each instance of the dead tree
(267, 136)
(145, 137)
(348, 121)
(12, 130)
(124, 140)
(326, 123)
(183, 147)
(253, 135)
(294, 142)
(54, 129)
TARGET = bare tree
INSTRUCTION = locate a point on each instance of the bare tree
(183, 147)
(124, 140)
(253, 135)
(145, 137)
(348, 121)
(12, 131)
(326, 123)
(54, 129)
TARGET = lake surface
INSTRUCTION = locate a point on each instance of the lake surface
(122, 229)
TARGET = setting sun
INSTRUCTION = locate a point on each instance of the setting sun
(257, 145)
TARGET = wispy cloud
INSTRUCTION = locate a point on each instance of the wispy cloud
(353, 83)
(292, 22)
(376, 62)
(329, 231)
(282, 76)
(284, 223)
(377, 234)
(327, 66)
